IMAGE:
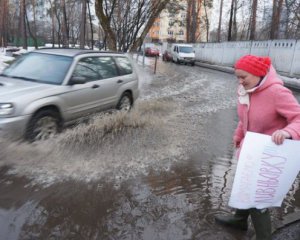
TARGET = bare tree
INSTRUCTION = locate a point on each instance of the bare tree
(220, 22)
(22, 23)
(195, 19)
(207, 4)
(234, 24)
(292, 19)
(253, 20)
(32, 32)
(277, 8)
(191, 20)
(52, 15)
(91, 25)
(126, 23)
(83, 24)
(4, 12)
(65, 29)
(232, 20)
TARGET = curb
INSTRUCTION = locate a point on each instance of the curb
(288, 220)
(215, 67)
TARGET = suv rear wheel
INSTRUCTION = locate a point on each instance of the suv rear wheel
(125, 102)
(43, 125)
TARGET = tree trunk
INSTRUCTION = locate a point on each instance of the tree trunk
(234, 35)
(22, 24)
(53, 22)
(194, 21)
(65, 30)
(272, 32)
(4, 12)
(207, 24)
(253, 20)
(91, 25)
(83, 24)
(188, 21)
(34, 33)
(220, 22)
(30, 32)
(230, 21)
(277, 8)
(105, 23)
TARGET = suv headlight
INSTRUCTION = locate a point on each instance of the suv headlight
(6, 109)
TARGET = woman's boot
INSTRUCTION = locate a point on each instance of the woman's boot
(239, 220)
(262, 223)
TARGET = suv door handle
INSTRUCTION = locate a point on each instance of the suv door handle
(95, 86)
(119, 81)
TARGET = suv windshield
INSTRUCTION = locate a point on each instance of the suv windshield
(185, 49)
(39, 67)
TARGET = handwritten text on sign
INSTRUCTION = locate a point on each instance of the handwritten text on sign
(265, 172)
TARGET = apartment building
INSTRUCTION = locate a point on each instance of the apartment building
(173, 27)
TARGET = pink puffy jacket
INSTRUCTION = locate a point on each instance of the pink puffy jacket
(272, 107)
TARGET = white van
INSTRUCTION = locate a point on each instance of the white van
(183, 53)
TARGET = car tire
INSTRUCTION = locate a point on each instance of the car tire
(193, 64)
(125, 103)
(43, 125)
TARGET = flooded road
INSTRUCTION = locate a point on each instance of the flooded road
(160, 172)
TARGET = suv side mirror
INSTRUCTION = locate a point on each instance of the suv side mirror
(77, 80)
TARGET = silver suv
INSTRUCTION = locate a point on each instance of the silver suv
(46, 89)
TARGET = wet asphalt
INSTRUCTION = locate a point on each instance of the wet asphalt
(161, 172)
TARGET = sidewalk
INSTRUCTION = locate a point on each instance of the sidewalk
(289, 228)
(293, 83)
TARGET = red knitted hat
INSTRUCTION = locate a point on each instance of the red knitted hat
(258, 66)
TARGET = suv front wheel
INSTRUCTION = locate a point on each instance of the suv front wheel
(43, 125)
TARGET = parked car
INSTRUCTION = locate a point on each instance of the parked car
(46, 89)
(183, 53)
(151, 52)
(167, 56)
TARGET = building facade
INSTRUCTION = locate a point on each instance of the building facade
(173, 26)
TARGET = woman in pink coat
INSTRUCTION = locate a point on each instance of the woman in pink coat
(264, 106)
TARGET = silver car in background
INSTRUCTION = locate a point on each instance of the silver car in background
(46, 89)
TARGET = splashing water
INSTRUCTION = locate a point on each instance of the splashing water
(116, 145)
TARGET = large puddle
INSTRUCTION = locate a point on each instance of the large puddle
(160, 172)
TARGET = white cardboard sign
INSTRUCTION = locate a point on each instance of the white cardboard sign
(265, 172)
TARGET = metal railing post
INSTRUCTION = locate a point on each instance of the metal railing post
(155, 64)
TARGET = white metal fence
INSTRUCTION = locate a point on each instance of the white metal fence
(285, 54)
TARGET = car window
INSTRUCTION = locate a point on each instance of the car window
(40, 67)
(107, 67)
(87, 71)
(186, 49)
(124, 65)
(95, 68)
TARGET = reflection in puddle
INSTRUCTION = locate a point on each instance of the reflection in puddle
(169, 205)
(176, 204)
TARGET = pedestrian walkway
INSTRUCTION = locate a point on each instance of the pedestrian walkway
(289, 229)
(288, 82)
